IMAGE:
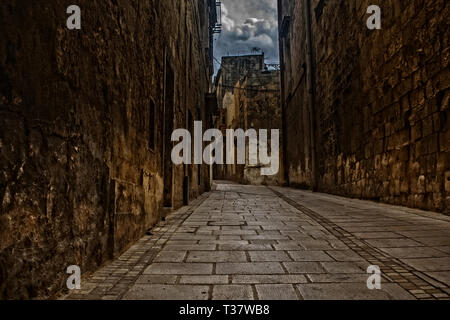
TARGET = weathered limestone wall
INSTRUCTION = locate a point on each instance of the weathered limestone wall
(258, 107)
(233, 69)
(81, 130)
(382, 97)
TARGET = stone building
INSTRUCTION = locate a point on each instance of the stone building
(86, 118)
(257, 106)
(366, 111)
(232, 69)
(248, 97)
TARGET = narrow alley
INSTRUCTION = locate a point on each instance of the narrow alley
(256, 242)
(224, 149)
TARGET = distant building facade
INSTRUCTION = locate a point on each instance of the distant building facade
(257, 106)
(248, 98)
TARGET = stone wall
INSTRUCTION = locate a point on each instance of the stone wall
(380, 124)
(232, 70)
(257, 106)
(83, 151)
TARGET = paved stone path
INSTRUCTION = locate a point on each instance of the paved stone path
(248, 242)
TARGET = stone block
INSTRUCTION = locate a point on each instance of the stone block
(166, 292)
(232, 292)
(179, 268)
(276, 292)
(217, 256)
(249, 268)
(303, 267)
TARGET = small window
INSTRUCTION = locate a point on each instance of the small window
(152, 126)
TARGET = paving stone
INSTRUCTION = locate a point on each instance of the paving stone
(170, 256)
(110, 297)
(266, 237)
(338, 245)
(234, 238)
(167, 292)
(429, 264)
(345, 255)
(269, 232)
(445, 249)
(181, 242)
(339, 278)
(232, 292)
(259, 256)
(225, 223)
(340, 291)
(440, 295)
(422, 233)
(315, 244)
(211, 279)
(377, 235)
(199, 247)
(269, 279)
(393, 243)
(221, 242)
(156, 279)
(423, 296)
(434, 241)
(396, 292)
(249, 268)
(419, 252)
(245, 247)
(267, 242)
(342, 267)
(300, 237)
(238, 232)
(303, 267)
(442, 276)
(216, 256)
(310, 256)
(193, 237)
(288, 245)
(276, 292)
(179, 268)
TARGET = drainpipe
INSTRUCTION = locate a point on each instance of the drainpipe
(311, 94)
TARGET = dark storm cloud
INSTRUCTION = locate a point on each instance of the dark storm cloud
(246, 25)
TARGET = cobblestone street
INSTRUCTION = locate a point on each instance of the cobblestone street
(248, 242)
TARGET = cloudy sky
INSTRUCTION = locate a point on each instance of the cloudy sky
(248, 24)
